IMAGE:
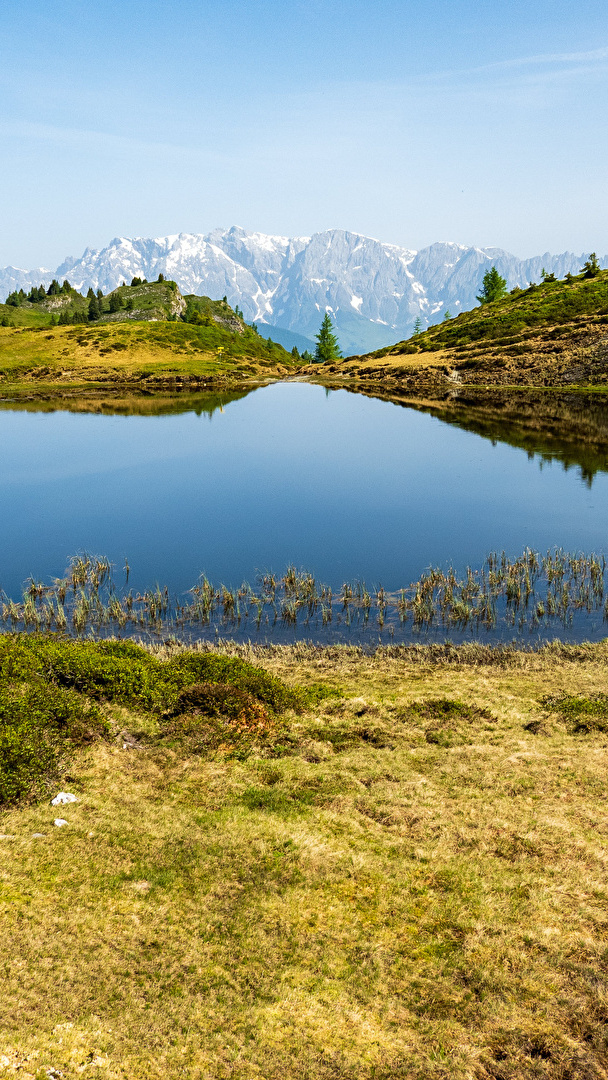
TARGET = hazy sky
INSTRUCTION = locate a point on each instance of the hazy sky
(480, 121)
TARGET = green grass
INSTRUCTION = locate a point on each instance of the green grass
(147, 344)
(366, 906)
(552, 305)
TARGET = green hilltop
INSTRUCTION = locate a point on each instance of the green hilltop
(552, 333)
(143, 332)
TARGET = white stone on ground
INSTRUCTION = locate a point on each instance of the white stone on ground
(63, 797)
(60, 821)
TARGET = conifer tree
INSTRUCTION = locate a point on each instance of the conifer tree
(115, 301)
(418, 325)
(90, 294)
(592, 267)
(94, 310)
(327, 343)
(493, 287)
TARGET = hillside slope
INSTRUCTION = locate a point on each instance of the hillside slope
(552, 334)
(143, 341)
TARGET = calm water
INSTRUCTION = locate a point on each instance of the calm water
(339, 483)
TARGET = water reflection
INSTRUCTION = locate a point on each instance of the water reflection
(117, 403)
(568, 427)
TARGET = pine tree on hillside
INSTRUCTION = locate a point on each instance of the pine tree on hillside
(90, 294)
(115, 302)
(327, 343)
(493, 287)
(94, 310)
(592, 267)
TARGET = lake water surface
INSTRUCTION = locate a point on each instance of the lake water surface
(345, 485)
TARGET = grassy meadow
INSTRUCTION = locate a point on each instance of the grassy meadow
(303, 862)
(139, 353)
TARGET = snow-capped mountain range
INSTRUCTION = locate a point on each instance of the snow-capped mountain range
(373, 291)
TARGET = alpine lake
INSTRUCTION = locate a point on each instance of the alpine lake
(295, 510)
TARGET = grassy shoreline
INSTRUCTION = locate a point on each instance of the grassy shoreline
(379, 885)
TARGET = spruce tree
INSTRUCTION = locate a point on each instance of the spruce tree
(592, 267)
(90, 294)
(418, 325)
(493, 287)
(327, 343)
(115, 302)
(94, 310)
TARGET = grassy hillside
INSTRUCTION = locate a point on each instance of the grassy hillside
(145, 342)
(555, 333)
(373, 880)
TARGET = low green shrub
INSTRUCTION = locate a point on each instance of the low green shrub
(38, 724)
(581, 714)
(189, 667)
(123, 672)
(445, 709)
(222, 700)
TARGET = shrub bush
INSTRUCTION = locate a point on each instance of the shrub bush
(222, 700)
(36, 724)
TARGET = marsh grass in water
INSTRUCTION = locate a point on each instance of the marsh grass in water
(525, 594)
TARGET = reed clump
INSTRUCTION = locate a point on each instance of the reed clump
(527, 593)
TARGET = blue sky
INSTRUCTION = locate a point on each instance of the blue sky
(407, 120)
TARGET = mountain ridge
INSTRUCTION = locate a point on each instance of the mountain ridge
(373, 290)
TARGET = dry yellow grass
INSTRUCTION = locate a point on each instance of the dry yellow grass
(367, 903)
